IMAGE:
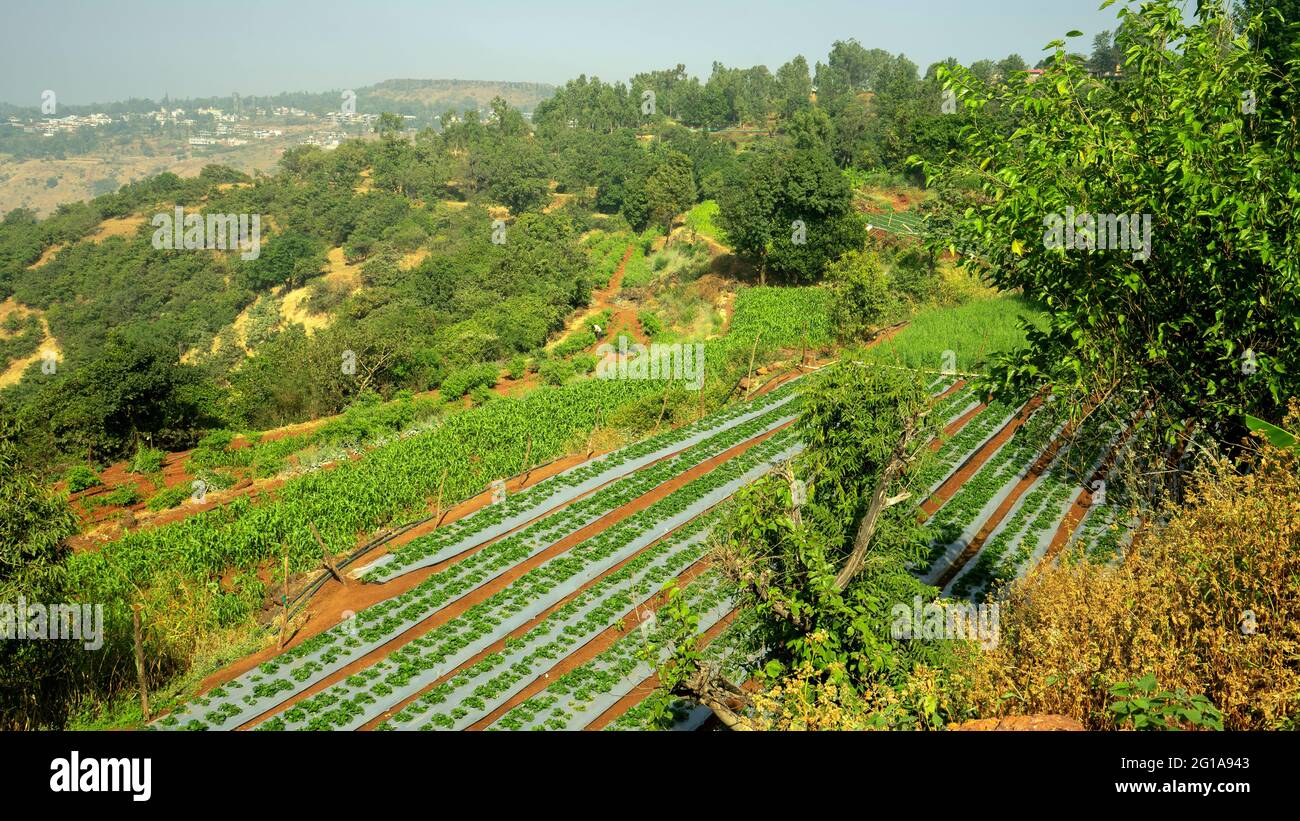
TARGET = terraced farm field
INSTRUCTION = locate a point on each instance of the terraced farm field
(506, 594)
(520, 615)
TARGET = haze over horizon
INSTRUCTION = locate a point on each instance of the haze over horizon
(98, 54)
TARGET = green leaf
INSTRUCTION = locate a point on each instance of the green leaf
(1275, 435)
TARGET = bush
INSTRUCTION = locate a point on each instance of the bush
(584, 363)
(861, 295)
(147, 460)
(216, 440)
(556, 371)
(577, 341)
(461, 382)
(80, 477)
(120, 496)
(651, 324)
(518, 367)
(168, 498)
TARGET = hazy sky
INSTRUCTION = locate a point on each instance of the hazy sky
(102, 51)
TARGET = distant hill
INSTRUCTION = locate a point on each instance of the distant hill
(412, 96)
(458, 94)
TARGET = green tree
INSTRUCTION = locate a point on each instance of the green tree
(37, 678)
(819, 549)
(1199, 308)
(861, 290)
(670, 188)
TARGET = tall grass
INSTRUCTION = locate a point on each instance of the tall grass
(973, 331)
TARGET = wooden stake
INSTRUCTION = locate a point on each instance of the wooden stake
(662, 408)
(325, 559)
(139, 661)
(528, 451)
(284, 603)
(749, 379)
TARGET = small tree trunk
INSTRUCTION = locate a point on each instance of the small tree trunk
(139, 661)
(749, 377)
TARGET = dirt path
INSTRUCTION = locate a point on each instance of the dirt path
(621, 316)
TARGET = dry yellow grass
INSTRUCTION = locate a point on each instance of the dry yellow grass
(413, 259)
(49, 345)
(1175, 607)
(46, 255)
(117, 227)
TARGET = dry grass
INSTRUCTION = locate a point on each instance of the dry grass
(1174, 608)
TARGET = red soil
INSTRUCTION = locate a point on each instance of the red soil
(1035, 471)
(496, 585)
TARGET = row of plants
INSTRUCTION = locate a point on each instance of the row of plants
(1000, 470)
(1039, 512)
(571, 702)
(553, 491)
(733, 652)
(477, 691)
(395, 484)
(962, 443)
(605, 251)
(785, 317)
(356, 699)
(379, 623)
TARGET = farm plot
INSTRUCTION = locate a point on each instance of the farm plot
(275, 681)
(1025, 533)
(583, 694)
(733, 652)
(1013, 494)
(474, 692)
(468, 533)
(959, 520)
(429, 658)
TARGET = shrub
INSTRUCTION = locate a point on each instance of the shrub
(461, 382)
(147, 460)
(577, 341)
(518, 367)
(80, 477)
(556, 371)
(651, 324)
(584, 363)
(1205, 604)
(168, 498)
(120, 496)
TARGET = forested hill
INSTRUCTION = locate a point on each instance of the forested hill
(387, 249)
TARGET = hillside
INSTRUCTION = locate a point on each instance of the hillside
(808, 399)
(458, 95)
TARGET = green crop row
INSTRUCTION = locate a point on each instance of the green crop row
(556, 707)
(536, 495)
(784, 317)
(390, 617)
(1003, 467)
